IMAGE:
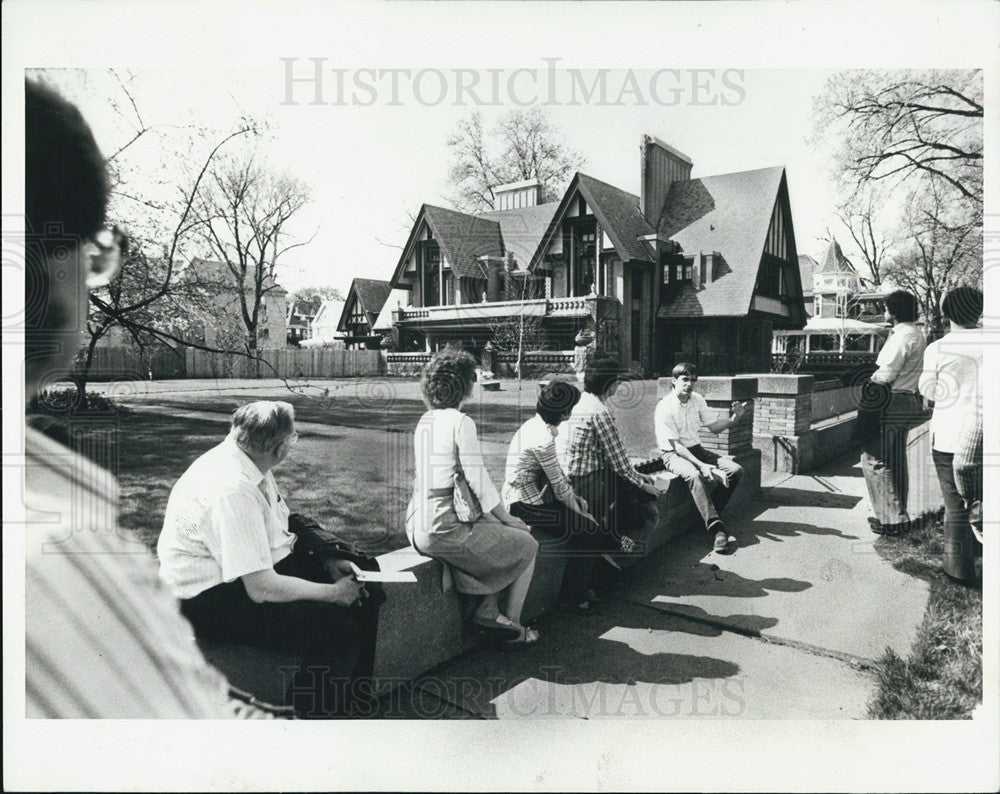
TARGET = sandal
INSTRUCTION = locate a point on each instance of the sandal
(499, 628)
(525, 638)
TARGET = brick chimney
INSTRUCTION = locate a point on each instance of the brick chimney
(661, 165)
(516, 195)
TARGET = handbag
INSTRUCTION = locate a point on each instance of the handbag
(468, 510)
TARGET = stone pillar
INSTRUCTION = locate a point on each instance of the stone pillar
(784, 404)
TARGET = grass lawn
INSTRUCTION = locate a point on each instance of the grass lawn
(355, 477)
(942, 678)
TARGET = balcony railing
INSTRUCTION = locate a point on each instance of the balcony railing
(540, 307)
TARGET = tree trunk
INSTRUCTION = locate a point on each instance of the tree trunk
(81, 375)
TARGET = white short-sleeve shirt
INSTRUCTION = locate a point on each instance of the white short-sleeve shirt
(952, 377)
(677, 421)
(224, 519)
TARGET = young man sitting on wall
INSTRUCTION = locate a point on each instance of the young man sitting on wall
(710, 478)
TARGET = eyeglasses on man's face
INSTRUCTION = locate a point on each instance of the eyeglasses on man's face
(105, 251)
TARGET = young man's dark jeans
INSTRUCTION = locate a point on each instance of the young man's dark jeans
(960, 543)
(577, 538)
(336, 644)
(621, 508)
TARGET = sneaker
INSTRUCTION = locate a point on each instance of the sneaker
(721, 542)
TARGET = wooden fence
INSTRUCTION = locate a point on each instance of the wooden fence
(290, 363)
(118, 363)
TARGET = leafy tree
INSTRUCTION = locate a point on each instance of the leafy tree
(321, 292)
(523, 144)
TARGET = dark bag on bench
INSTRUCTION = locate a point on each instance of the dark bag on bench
(318, 540)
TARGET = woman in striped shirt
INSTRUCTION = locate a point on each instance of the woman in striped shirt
(537, 491)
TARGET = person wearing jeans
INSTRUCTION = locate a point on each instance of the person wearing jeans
(952, 379)
(883, 456)
(710, 478)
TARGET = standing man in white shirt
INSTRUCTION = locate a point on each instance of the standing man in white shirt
(227, 553)
(710, 478)
(883, 457)
(952, 378)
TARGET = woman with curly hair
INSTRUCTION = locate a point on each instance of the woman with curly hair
(493, 556)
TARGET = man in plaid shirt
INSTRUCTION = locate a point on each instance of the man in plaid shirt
(591, 452)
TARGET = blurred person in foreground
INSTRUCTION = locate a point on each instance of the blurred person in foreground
(952, 378)
(102, 637)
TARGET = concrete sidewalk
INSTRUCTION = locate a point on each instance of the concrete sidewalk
(785, 627)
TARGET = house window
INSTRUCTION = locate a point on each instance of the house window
(449, 288)
(769, 279)
(430, 261)
(584, 261)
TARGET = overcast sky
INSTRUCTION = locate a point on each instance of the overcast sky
(374, 159)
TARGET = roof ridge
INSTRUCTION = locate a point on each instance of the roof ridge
(608, 184)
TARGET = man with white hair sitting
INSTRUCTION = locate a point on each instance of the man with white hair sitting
(227, 553)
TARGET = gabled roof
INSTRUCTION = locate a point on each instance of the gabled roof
(329, 312)
(616, 211)
(522, 229)
(728, 213)
(619, 215)
(303, 310)
(218, 272)
(464, 238)
(370, 294)
(397, 298)
(835, 261)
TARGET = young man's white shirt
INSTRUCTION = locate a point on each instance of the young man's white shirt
(674, 420)
(952, 377)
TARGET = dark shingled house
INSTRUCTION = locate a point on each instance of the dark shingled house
(691, 269)
(365, 300)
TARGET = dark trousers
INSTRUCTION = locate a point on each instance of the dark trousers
(579, 539)
(621, 508)
(336, 644)
(959, 542)
(883, 458)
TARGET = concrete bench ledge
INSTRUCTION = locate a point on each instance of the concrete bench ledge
(422, 627)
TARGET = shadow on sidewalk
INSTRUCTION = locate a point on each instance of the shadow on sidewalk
(596, 663)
